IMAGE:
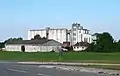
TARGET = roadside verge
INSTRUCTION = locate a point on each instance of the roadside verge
(77, 67)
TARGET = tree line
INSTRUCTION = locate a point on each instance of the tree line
(104, 42)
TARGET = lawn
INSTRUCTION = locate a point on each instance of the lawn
(68, 57)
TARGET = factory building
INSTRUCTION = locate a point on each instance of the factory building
(73, 35)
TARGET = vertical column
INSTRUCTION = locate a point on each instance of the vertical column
(81, 37)
(47, 32)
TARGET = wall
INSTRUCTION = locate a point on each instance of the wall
(13, 47)
(32, 33)
(88, 36)
(59, 35)
(31, 48)
(79, 48)
(79, 34)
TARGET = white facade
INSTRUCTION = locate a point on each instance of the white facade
(31, 48)
(59, 35)
(79, 34)
(79, 48)
(76, 34)
(32, 33)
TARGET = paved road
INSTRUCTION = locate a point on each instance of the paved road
(14, 69)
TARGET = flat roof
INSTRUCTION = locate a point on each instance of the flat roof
(49, 29)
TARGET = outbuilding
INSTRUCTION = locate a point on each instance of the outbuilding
(80, 46)
(42, 45)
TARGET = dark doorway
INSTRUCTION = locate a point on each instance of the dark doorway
(23, 48)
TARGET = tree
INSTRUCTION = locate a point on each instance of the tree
(117, 46)
(37, 37)
(2, 45)
(104, 43)
(13, 39)
(20, 38)
(119, 41)
(44, 37)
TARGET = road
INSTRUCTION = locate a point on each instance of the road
(15, 69)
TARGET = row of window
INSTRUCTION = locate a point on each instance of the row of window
(85, 39)
(85, 31)
(78, 47)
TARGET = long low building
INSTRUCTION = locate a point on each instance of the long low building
(42, 45)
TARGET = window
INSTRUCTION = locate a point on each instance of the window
(74, 39)
(85, 31)
(80, 31)
(74, 29)
(74, 34)
(82, 47)
(85, 39)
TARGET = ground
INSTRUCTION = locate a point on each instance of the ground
(112, 58)
(15, 69)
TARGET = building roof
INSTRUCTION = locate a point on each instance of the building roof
(41, 41)
(52, 42)
(66, 44)
(49, 29)
(82, 44)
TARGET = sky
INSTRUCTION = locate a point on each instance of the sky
(19, 16)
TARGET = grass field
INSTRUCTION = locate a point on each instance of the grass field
(68, 57)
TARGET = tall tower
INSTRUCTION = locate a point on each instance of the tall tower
(75, 33)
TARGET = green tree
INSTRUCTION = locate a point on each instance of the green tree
(117, 46)
(104, 43)
(37, 37)
(2, 45)
(13, 39)
(118, 41)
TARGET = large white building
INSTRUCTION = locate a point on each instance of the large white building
(79, 34)
(76, 34)
(60, 35)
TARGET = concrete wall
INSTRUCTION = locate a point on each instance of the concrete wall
(59, 35)
(13, 47)
(79, 34)
(31, 48)
(32, 33)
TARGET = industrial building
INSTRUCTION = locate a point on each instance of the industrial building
(73, 35)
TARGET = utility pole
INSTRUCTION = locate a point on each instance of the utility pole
(60, 54)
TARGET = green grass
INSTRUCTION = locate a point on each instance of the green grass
(68, 57)
(87, 57)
